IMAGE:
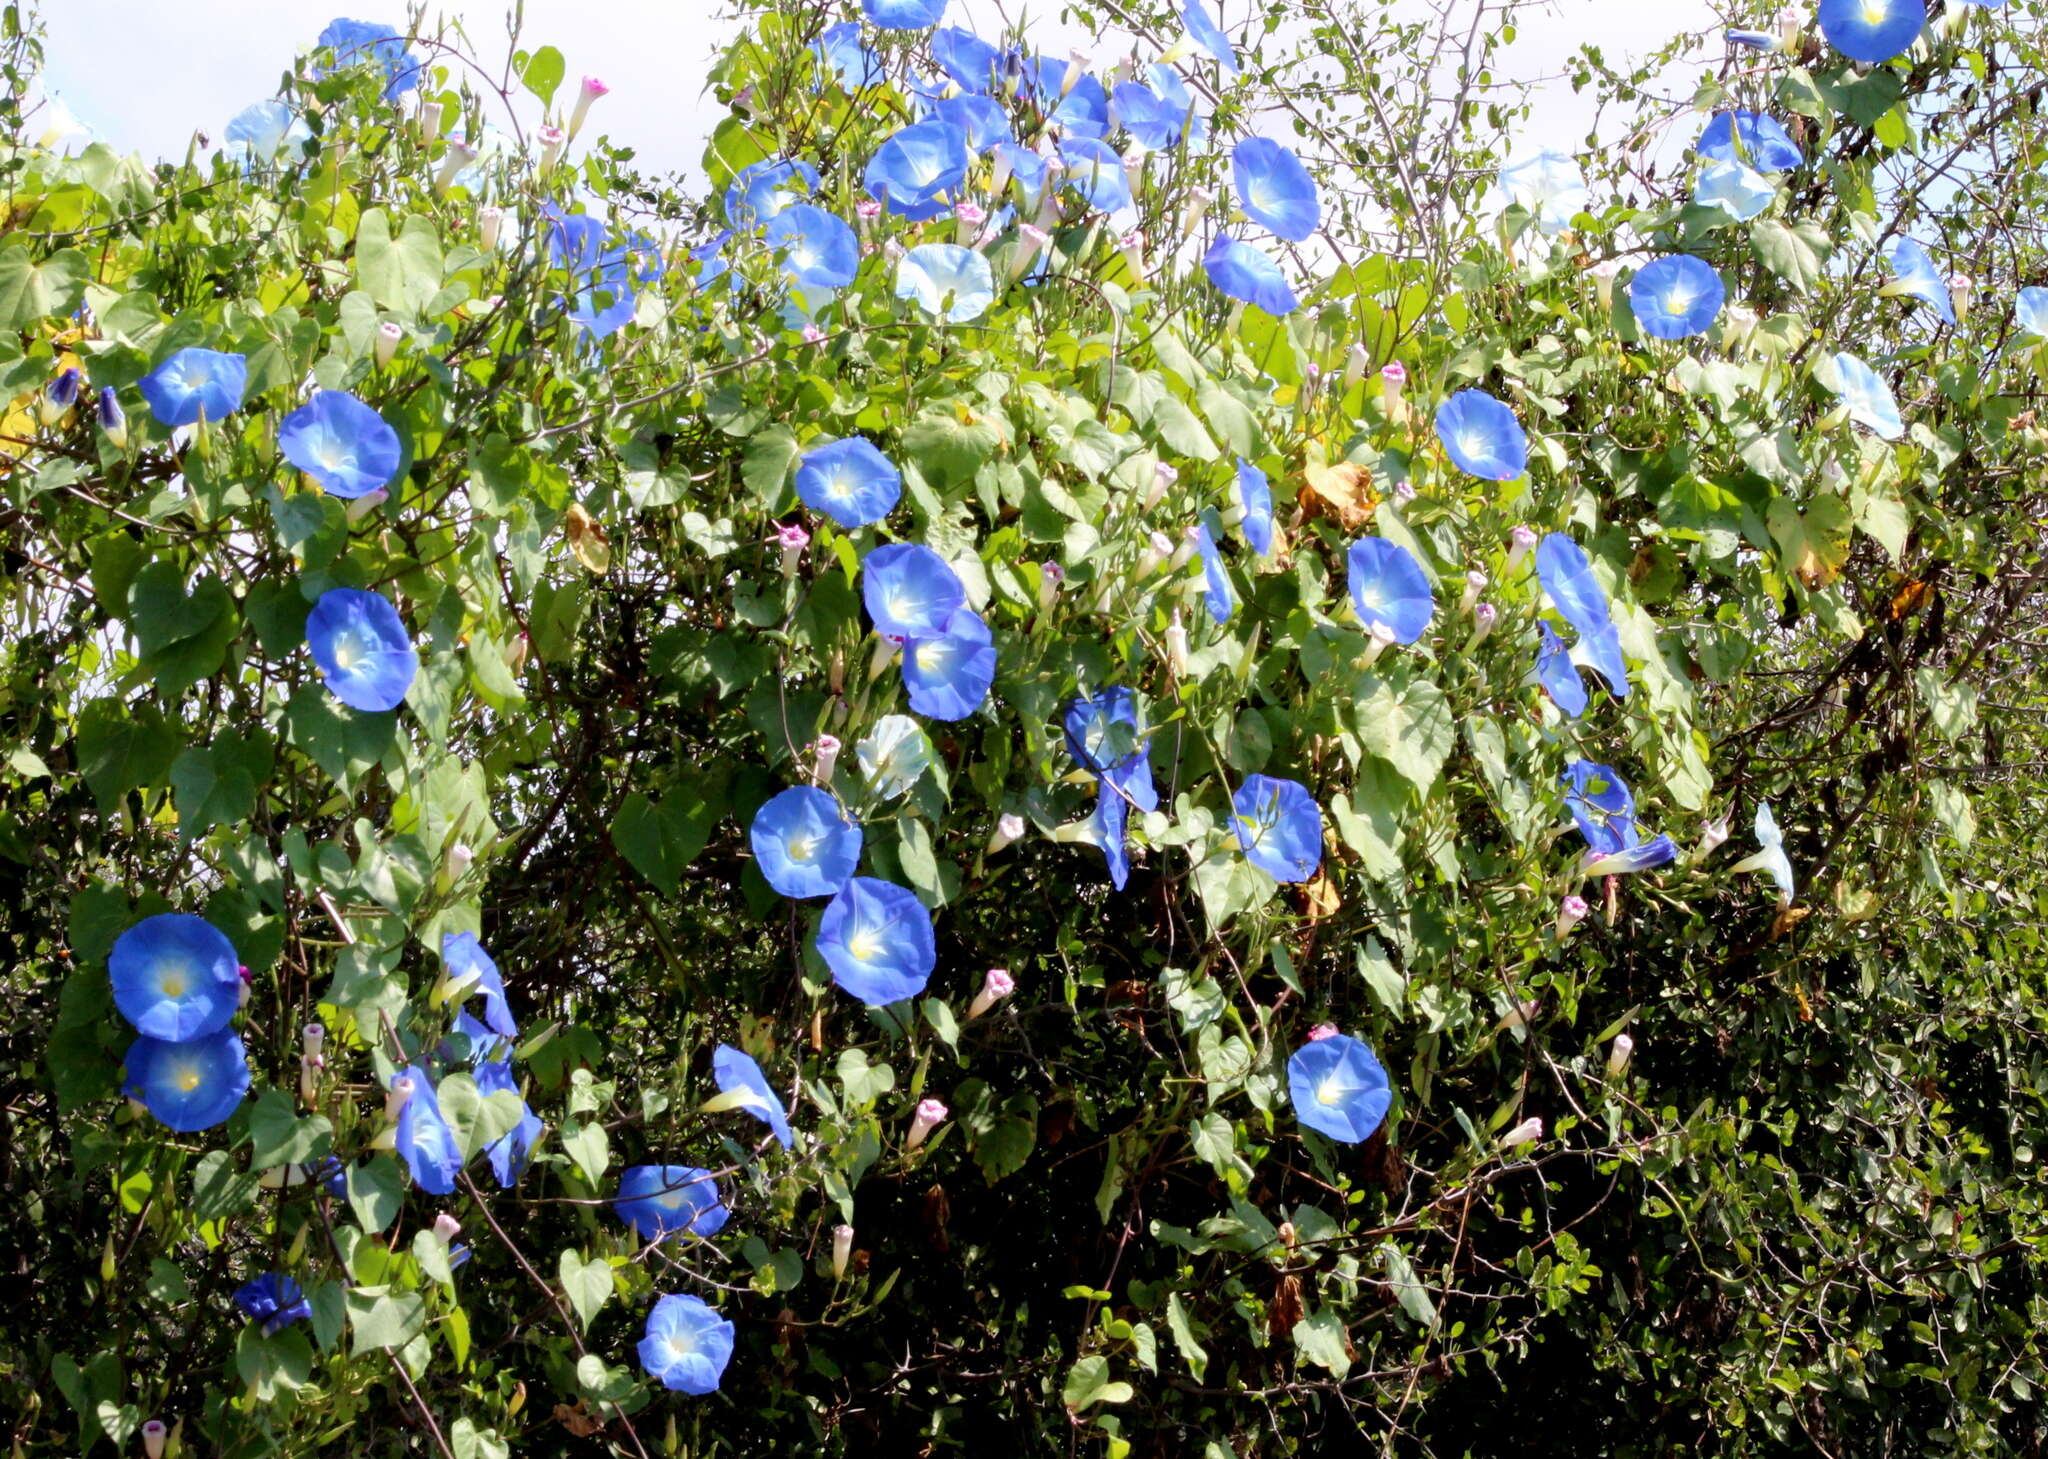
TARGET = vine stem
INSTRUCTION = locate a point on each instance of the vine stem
(561, 1307)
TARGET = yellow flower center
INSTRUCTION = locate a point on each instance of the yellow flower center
(1330, 1091)
(187, 1078)
(864, 945)
(801, 848)
(930, 656)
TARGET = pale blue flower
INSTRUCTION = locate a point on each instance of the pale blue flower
(877, 939)
(259, 131)
(425, 1142)
(2030, 313)
(1216, 591)
(1549, 186)
(842, 56)
(1914, 273)
(471, 972)
(275, 1300)
(1770, 857)
(763, 189)
(1749, 137)
(904, 14)
(687, 1345)
(818, 249)
(740, 1079)
(1204, 31)
(1338, 1088)
(175, 977)
(191, 1085)
(1557, 674)
(909, 590)
(508, 1153)
(948, 676)
(1389, 588)
(1095, 172)
(894, 755)
(1242, 272)
(915, 168)
(805, 843)
(1256, 496)
(1735, 188)
(980, 118)
(1279, 826)
(850, 481)
(195, 382)
(1868, 398)
(1567, 576)
(1153, 122)
(947, 281)
(1482, 436)
(362, 649)
(973, 64)
(341, 443)
(659, 1200)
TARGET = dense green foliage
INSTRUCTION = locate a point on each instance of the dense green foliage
(1807, 1216)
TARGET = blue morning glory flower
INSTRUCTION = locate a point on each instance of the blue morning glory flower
(1256, 496)
(843, 57)
(1770, 857)
(341, 443)
(1482, 436)
(1750, 137)
(361, 648)
(1025, 166)
(949, 676)
(509, 1152)
(605, 268)
(1173, 91)
(424, 1141)
(1639, 857)
(760, 190)
(909, 590)
(366, 42)
(817, 247)
(971, 62)
(1605, 811)
(1107, 739)
(189, 1086)
(1242, 272)
(1204, 31)
(1872, 31)
(1082, 112)
(1914, 273)
(1735, 188)
(472, 973)
(2030, 313)
(981, 119)
(195, 382)
(915, 167)
(1279, 826)
(658, 1200)
(1868, 398)
(1389, 587)
(1153, 122)
(260, 130)
(805, 842)
(904, 14)
(877, 939)
(687, 1344)
(275, 1300)
(1567, 576)
(1275, 189)
(1549, 186)
(1216, 590)
(1095, 171)
(175, 977)
(1558, 675)
(1676, 297)
(849, 481)
(1108, 829)
(741, 1080)
(1338, 1088)
(948, 281)
(709, 256)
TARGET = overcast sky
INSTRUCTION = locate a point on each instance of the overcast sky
(144, 74)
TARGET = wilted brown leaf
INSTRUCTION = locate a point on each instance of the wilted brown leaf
(1341, 491)
(587, 540)
(1286, 1308)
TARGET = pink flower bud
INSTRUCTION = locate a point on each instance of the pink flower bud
(386, 347)
(488, 222)
(1570, 912)
(1520, 541)
(929, 1116)
(1475, 584)
(458, 156)
(1322, 1031)
(1484, 616)
(1050, 576)
(813, 335)
(994, 988)
(312, 1040)
(969, 214)
(793, 539)
(447, 1227)
(1377, 639)
(1526, 1133)
(154, 1433)
(1009, 827)
(360, 507)
(1354, 365)
(1393, 375)
(824, 758)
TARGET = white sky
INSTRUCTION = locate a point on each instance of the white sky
(144, 74)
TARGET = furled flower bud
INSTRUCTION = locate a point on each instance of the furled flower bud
(552, 140)
(1177, 646)
(1526, 1133)
(1354, 366)
(1484, 616)
(997, 986)
(154, 1435)
(813, 335)
(1961, 288)
(1475, 584)
(312, 1040)
(589, 92)
(59, 396)
(1163, 479)
(516, 652)
(1009, 826)
(1190, 542)
(1132, 246)
(1520, 542)
(1619, 1053)
(929, 1116)
(1158, 549)
(310, 1067)
(112, 421)
(1077, 67)
(447, 1227)
(842, 1250)
(1712, 834)
(1050, 576)
(1322, 1031)
(430, 115)
(1521, 1015)
(458, 156)
(489, 221)
(395, 1097)
(1570, 912)
(460, 859)
(793, 539)
(824, 758)
(385, 347)
(1030, 239)
(361, 506)
(1199, 199)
